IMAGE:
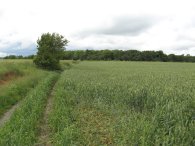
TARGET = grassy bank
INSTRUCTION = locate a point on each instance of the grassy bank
(16, 88)
(22, 129)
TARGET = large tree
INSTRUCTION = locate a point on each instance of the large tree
(50, 49)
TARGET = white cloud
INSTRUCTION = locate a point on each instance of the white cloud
(22, 22)
(2, 54)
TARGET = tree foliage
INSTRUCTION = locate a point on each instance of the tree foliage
(50, 49)
(127, 55)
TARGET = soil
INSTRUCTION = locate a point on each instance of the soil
(8, 77)
(5, 79)
(8, 114)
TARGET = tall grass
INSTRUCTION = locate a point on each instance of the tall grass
(125, 103)
(61, 120)
(16, 89)
(16, 66)
(22, 129)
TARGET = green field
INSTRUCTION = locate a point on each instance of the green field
(99, 103)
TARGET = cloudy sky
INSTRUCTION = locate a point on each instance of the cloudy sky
(167, 25)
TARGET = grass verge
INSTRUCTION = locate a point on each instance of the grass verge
(22, 129)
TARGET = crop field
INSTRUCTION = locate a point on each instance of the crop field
(96, 103)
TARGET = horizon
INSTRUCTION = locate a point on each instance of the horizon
(27, 55)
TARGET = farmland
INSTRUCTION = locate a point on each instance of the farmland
(98, 103)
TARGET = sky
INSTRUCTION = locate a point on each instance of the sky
(167, 25)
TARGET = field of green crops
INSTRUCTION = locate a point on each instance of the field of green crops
(100, 103)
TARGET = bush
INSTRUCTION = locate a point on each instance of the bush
(50, 49)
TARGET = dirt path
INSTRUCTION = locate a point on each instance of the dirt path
(43, 139)
(8, 114)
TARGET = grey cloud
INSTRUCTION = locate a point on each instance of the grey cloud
(129, 26)
(16, 49)
(183, 46)
(125, 25)
(184, 43)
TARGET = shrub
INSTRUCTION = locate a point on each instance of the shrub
(50, 48)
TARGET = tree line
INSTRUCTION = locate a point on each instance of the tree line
(127, 55)
(19, 57)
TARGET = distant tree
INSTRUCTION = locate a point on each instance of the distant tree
(30, 57)
(126, 55)
(10, 57)
(20, 57)
(50, 50)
